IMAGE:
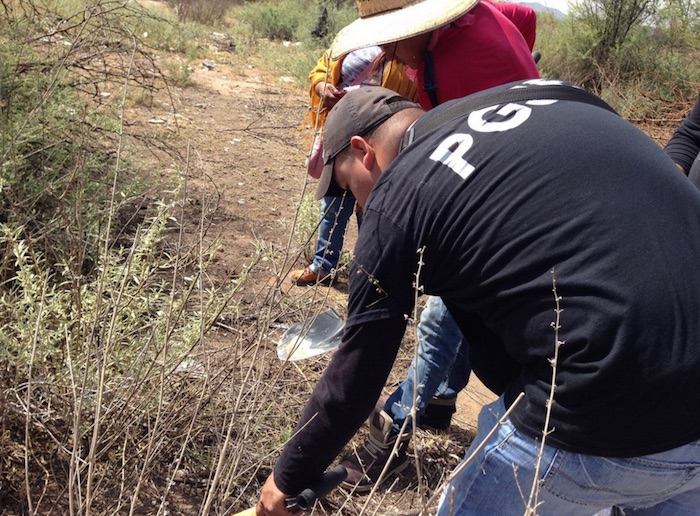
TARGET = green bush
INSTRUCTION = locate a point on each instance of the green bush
(285, 31)
(643, 77)
(277, 19)
(97, 322)
(49, 163)
(102, 366)
(565, 47)
(162, 31)
(210, 12)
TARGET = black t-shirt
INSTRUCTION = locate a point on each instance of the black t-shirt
(485, 212)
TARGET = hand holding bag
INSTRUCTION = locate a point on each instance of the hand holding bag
(314, 162)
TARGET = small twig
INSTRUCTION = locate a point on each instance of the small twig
(418, 290)
(532, 502)
(28, 417)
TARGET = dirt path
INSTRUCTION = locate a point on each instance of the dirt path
(255, 158)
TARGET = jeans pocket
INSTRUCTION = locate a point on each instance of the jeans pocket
(585, 479)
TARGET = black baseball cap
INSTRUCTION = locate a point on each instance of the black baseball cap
(356, 114)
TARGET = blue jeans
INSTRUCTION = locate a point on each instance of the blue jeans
(499, 479)
(331, 231)
(442, 368)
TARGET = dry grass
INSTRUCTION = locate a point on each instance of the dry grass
(210, 12)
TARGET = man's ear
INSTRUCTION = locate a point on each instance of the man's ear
(363, 151)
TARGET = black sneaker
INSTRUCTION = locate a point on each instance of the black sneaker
(438, 414)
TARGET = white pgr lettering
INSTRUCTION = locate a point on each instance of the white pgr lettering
(541, 102)
(540, 82)
(455, 159)
(510, 116)
(514, 115)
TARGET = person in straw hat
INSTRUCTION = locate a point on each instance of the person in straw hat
(452, 48)
(455, 47)
(565, 243)
(329, 80)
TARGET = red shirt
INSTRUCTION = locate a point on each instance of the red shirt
(489, 46)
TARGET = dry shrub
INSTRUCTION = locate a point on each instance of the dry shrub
(210, 12)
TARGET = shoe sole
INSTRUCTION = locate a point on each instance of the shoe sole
(366, 488)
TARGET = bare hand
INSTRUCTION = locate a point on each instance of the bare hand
(328, 93)
(272, 501)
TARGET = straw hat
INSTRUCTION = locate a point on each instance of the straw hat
(386, 21)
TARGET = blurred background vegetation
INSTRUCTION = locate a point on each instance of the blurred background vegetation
(99, 312)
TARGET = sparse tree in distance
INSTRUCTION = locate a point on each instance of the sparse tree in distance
(609, 23)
